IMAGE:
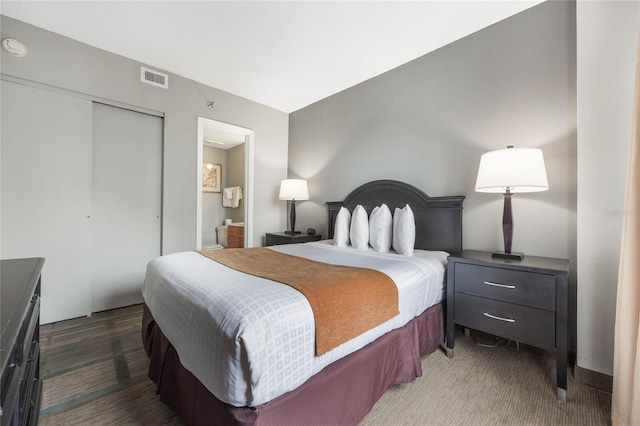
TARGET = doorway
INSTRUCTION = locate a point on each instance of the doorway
(212, 136)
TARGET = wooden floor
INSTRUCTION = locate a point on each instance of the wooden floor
(95, 372)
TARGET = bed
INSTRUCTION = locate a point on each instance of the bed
(262, 370)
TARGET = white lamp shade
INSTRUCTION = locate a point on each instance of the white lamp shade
(294, 189)
(516, 169)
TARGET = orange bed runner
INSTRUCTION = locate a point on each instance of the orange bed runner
(346, 301)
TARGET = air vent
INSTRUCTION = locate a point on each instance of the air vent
(154, 77)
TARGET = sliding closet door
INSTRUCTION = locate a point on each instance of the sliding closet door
(126, 213)
(46, 193)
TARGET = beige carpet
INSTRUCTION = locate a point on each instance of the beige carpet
(489, 386)
(94, 372)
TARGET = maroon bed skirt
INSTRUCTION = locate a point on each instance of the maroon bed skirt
(341, 394)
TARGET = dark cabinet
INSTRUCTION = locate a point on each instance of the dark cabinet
(21, 387)
(522, 300)
(279, 238)
(235, 236)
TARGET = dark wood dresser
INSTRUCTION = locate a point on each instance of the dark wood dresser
(21, 387)
(523, 300)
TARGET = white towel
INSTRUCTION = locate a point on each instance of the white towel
(237, 195)
(231, 197)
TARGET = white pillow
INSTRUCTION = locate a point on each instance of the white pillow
(341, 228)
(359, 228)
(404, 231)
(380, 229)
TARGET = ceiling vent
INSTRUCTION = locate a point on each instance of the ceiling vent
(154, 77)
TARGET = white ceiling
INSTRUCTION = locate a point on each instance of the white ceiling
(286, 55)
(220, 139)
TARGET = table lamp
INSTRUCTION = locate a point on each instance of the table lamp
(510, 171)
(293, 189)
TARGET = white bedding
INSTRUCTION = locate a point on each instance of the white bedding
(249, 339)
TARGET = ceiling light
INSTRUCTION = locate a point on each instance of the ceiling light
(14, 47)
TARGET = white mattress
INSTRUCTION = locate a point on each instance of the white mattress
(249, 339)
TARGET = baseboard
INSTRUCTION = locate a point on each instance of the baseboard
(594, 379)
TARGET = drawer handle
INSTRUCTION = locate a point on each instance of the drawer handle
(499, 285)
(499, 318)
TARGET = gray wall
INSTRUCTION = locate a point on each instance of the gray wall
(428, 121)
(607, 52)
(55, 62)
(213, 214)
(235, 177)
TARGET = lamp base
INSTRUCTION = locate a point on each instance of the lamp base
(292, 232)
(512, 255)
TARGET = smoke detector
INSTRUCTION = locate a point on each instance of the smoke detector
(14, 47)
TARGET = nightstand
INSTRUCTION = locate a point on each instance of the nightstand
(279, 238)
(523, 300)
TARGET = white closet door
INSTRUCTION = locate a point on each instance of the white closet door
(127, 188)
(46, 193)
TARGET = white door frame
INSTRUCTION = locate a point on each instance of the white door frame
(248, 176)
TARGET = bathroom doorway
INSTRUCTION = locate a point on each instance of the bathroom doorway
(227, 152)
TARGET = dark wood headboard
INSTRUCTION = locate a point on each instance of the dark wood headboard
(438, 219)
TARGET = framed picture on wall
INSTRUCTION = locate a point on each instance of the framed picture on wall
(211, 177)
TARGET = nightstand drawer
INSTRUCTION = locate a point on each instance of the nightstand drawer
(527, 325)
(508, 285)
